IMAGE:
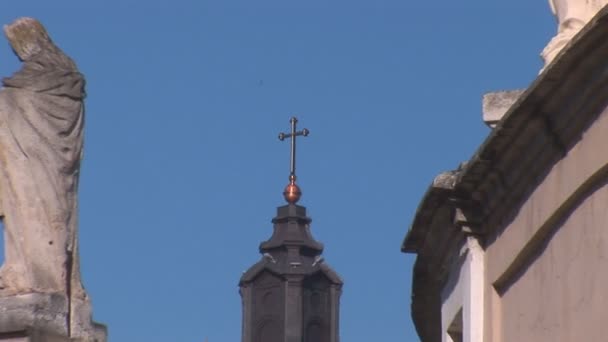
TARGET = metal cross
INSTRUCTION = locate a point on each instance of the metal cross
(293, 135)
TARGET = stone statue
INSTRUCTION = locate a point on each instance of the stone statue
(571, 15)
(41, 136)
(41, 143)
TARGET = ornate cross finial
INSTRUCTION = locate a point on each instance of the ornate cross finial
(292, 191)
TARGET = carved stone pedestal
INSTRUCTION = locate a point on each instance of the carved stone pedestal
(47, 318)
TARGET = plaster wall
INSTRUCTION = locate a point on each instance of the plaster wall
(545, 267)
(462, 296)
(561, 296)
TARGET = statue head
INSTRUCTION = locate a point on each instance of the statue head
(27, 36)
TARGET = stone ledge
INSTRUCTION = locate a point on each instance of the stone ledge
(46, 312)
(496, 104)
(33, 336)
(41, 317)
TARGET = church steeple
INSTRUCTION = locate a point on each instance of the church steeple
(291, 294)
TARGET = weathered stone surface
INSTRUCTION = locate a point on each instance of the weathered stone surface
(81, 324)
(34, 336)
(41, 136)
(572, 16)
(496, 104)
(41, 141)
(43, 311)
(46, 317)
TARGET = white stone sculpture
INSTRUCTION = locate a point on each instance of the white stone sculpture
(41, 136)
(571, 15)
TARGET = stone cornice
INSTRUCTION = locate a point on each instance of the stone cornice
(549, 117)
(441, 188)
(540, 128)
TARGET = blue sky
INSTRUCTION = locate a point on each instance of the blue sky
(183, 170)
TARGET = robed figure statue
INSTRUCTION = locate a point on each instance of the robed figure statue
(41, 138)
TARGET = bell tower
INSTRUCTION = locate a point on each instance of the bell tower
(291, 294)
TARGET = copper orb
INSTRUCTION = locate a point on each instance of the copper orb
(292, 193)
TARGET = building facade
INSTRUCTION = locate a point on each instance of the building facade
(512, 245)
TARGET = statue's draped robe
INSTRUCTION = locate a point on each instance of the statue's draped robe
(572, 16)
(41, 139)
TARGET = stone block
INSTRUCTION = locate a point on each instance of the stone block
(496, 104)
(40, 317)
(33, 336)
(45, 312)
